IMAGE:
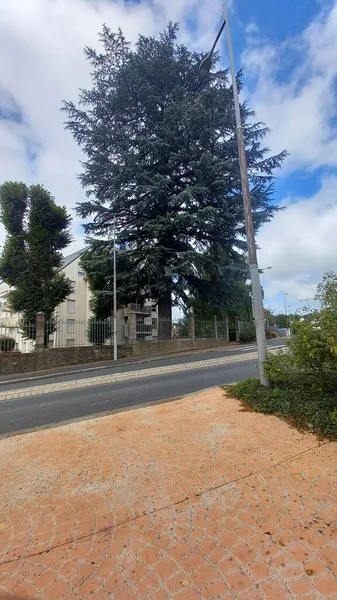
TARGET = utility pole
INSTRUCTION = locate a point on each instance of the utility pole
(115, 341)
(204, 69)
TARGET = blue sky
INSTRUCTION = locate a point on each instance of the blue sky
(288, 51)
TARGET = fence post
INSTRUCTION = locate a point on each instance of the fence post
(215, 327)
(39, 344)
(237, 329)
(226, 329)
(191, 327)
(132, 327)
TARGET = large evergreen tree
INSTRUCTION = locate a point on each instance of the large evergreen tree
(37, 231)
(161, 159)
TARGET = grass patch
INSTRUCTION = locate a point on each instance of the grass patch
(307, 407)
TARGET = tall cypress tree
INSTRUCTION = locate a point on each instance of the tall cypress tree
(162, 160)
(37, 231)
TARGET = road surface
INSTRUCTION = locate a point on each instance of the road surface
(47, 402)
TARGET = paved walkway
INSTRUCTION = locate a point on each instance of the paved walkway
(193, 499)
(148, 373)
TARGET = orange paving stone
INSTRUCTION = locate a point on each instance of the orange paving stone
(193, 499)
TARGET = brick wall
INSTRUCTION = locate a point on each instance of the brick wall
(15, 362)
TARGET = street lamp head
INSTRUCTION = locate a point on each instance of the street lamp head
(205, 66)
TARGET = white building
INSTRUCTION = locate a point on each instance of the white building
(133, 322)
(72, 315)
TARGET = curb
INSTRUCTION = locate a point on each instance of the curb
(113, 365)
(107, 413)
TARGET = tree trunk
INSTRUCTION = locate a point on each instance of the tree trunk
(165, 316)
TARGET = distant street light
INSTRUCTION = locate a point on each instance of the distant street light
(285, 294)
(204, 69)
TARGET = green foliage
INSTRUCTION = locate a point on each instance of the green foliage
(270, 334)
(162, 160)
(314, 344)
(304, 406)
(99, 331)
(97, 263)
(7, 344)
(181, 327)
(37, 230)
(269, 317)
(303, 381)
(248, 334)
(282, 321)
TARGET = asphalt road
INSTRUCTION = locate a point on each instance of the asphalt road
(27, 413)
(78, 372)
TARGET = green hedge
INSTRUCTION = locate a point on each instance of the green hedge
(304, 406)
(7, 344)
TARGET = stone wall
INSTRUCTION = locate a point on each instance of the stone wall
(175, 345)
(15, 362)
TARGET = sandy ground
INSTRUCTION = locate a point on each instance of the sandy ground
(193, 499)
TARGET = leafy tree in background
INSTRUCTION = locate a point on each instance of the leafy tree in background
(162, 161)
(97, 262)
(37, 231)
(282, 321)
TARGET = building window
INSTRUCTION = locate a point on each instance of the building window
(154, 308)
(70, 343)
(71, 306)
(70, 325)
(154, 323)
(73, 285)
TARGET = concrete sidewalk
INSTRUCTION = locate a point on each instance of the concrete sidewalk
(194, 499)
(110, 364)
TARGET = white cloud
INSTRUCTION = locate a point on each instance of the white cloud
(300, 243)
(42, 63)
(300, 106)
(292, 88)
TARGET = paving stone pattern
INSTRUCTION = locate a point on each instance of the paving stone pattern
(190, 500)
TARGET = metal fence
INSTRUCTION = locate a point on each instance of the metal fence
(9, 336)
(222, 330)
(152, 329)
(203, 329)
(72, 333)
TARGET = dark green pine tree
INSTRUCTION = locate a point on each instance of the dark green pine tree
(37, 230)
(161, 159)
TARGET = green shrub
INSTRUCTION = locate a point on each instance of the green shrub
(306, 407)
(7, 344)
(99, 331)
(248, 334)
(303, 381)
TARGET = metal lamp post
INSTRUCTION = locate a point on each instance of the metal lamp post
(285, 294)
(115, 342)
(204, 69)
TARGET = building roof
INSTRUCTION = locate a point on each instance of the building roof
(67, 260)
